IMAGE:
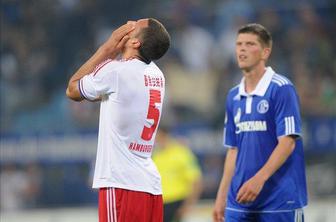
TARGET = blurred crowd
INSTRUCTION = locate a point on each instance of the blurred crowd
(35, 184)
(19, 187)
(44, 41)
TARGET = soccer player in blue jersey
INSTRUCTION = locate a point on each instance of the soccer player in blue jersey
(264, 173)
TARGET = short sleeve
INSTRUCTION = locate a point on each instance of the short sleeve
(287, 112)
(103, 81)
(229, 135)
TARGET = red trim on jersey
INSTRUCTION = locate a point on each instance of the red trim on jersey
(120, 205)
(101, 65)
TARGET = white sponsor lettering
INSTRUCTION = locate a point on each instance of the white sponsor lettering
(249, 126)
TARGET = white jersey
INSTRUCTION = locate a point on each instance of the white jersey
(131, 95)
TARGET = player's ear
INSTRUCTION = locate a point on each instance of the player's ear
(135, 43)
(266, 53)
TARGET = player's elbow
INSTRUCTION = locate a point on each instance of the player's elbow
(72, 93)
(68, 93)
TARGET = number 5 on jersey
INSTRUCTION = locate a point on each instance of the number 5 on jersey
(153, 113)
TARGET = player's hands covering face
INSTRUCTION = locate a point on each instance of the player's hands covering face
(118, 39)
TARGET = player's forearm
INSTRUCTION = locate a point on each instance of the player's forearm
(229, 167)
(100, 55)
(278, 157)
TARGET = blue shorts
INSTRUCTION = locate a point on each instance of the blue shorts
(288, 216)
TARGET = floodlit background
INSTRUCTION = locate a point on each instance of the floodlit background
(48, 142)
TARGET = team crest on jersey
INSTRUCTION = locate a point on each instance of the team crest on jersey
(263, 106)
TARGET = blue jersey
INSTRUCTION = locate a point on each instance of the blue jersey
(253, 124)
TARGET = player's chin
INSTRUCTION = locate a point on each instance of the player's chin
(243, 66)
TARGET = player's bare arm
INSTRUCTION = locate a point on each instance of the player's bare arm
(109, 50)
(229, 167)
(251, 188)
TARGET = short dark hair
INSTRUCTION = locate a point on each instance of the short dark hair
(263, 34)
(155, 41)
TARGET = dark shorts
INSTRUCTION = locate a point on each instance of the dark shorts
(170, 210)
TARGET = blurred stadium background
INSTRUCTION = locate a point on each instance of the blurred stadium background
(48, 143)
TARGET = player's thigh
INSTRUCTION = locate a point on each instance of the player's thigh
(129, 206)
(235, 216)
(106, 205)
(135, 206)
(292, 216)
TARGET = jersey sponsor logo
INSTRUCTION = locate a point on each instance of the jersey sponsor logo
(249, 126)
(263, 106)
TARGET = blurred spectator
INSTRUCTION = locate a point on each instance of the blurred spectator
(180, 174)
(228, 12)
(195, 45)
(212, 167)
(18, 188)
(34, 177)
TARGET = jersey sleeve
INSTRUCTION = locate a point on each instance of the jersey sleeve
(229, 135)
(287, 112)
(103, 81)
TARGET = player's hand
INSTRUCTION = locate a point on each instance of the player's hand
(118, 39)
(218, 211)
(250, 190)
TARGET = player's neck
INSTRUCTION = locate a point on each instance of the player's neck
(132, 54)
(128, 54)
(252, 77)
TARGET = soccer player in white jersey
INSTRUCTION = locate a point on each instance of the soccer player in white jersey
(131, 91)
(264, 174)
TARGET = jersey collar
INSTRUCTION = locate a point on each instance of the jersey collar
(262, 86)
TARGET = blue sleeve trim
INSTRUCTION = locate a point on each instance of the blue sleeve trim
(80, 89)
